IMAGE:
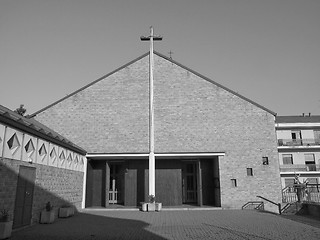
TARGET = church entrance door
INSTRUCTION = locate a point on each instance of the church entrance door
(189, 182)
(116, 181)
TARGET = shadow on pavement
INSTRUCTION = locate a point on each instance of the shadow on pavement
(87, 226)
(308, 220)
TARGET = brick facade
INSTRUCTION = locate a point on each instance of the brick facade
(192, 114)
(37, 166)
(59, 186)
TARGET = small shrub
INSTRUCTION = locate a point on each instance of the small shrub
(4, 215)
(152, 198)
(49, 207)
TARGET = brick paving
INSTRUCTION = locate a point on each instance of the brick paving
(192, 224)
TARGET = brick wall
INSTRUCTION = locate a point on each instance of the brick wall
(191, 115)
(59, 186)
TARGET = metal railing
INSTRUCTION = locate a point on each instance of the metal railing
(254, 205)
(299, 142)
(268, 200)
(296, 193)
(299, 167)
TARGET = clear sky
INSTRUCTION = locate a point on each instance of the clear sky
(266, 50)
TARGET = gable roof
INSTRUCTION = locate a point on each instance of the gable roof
(168, 59)
(298, 119)
(35, 128)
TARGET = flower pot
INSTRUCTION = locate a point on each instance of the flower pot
(65, 212)
(5, 229)
(144, 207)
(71, 211)
(158, 207)
(47, 216)
(151, 207)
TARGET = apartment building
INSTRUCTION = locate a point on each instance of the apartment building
(299, 148)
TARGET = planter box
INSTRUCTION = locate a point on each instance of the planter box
(158, 207)
(144, 207)
(65, 212)
(5, 229)
(151, 207)
(47, 216)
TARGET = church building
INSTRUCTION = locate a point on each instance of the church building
(212, 146)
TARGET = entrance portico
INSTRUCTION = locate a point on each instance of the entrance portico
(185, 178)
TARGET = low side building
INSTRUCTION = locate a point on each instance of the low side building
(37, 165)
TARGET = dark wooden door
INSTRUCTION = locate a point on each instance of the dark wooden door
(24, 197)
(189, 182)
(98, 189)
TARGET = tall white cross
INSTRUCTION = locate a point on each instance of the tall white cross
(152, 166)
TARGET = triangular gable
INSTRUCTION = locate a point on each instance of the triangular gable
(215, 83)
(88, 85)
(168, 59)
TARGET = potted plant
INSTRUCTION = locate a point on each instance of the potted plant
(47, 215)
(5, 224)
(151, 206)
(66, 211)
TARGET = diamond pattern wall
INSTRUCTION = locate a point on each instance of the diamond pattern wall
(42, 151)
(29, 147)
(13, 143)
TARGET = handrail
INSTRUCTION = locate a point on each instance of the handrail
(260, 204)
(285, 207)
(277, 204)
(267, 200)
(299, 142)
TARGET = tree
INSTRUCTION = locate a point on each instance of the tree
(21, 110)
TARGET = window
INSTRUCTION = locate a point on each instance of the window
(249, 172)
(310, 162)
(313, 185)
(309, 157)
(296, 138)
(317, 136)
(265, 161)
(296, 135)
(287, 159)
(289, 182)
(234, 182)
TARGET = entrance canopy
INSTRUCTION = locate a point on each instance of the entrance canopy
(104, 156)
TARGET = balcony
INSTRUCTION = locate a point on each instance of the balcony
(299, 168)
(299, 142)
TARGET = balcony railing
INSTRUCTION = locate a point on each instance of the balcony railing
(299, 167)
(299, 142)
(309, 193)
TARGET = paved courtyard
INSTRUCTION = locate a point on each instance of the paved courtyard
(192, 224)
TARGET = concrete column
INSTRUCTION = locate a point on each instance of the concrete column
(107, 183)
(199, 183)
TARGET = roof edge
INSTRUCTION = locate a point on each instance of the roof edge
(14, 120)
(218, 84)
(88, 85)
(168, 59)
